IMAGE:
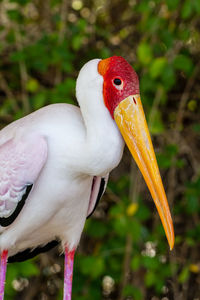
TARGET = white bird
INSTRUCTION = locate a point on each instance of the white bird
(54, 164)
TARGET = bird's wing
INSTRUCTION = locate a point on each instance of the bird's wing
(98, 188)
(21, 161)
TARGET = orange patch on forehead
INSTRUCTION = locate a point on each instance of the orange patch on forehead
(103, 66)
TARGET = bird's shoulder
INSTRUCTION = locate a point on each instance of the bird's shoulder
(53, 120)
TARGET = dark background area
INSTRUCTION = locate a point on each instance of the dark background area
(123, 253)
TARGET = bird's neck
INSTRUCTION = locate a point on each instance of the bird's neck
(103, 140)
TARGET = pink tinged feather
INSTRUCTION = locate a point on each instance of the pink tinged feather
(3, 266)
(20, 164)
(94, 192)
(68, 273)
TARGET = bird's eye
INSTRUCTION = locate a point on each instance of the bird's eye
(117, 81)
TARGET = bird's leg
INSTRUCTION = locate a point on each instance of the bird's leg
(3, 266)
(68, 273)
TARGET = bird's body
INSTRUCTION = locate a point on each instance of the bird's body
(53, 162)
(59, 207)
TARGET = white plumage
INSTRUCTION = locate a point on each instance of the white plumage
(79, 147)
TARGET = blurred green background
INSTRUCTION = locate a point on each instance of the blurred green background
(123, 253)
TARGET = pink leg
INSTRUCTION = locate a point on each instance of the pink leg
(3, 265)
(68, 273)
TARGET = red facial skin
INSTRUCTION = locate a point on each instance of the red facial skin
(117, 67)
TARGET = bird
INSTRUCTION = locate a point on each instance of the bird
(55, 163)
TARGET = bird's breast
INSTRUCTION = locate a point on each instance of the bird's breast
(102, 152)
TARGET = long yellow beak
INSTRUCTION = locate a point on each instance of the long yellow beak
(130, 118)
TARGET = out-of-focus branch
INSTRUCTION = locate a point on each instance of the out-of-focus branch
(63, 18)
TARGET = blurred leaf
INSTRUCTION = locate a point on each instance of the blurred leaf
(183, 276)
(168, 77)
(15, 15)
(192, 105)
(64, 91)
(28, 268)
(135, 262)
(180, 163)
(190, 242)
(77, 42)
(92, 266)
(151, 263)
(32, 85)
(172, 4)
(150, 278)
(193, 196)
(135, 228)
(196, 5)
(120, 225)
(130, 290)
(196, 128)
(132, 209)
(187, 9)
(184, 63)
(144, 53)
(17, 56)
(156, 124)
(38, 100)
(165, 159)
(194, 268)
(96, 228)
(143, 212)
(157, 67)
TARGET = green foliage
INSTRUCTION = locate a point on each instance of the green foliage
(92, 266)
(184, 63)
(158, 67)
(130, 290)
(144, 53)
(42, 48)
(192, 197)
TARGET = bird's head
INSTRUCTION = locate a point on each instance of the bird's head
(119, 84)
(119, 81)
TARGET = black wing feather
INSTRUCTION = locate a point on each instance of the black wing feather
(30, 253)
(100, 193)
(4, 222)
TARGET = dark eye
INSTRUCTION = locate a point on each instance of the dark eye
(117, 81)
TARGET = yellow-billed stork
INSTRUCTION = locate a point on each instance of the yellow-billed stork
(54, 164)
